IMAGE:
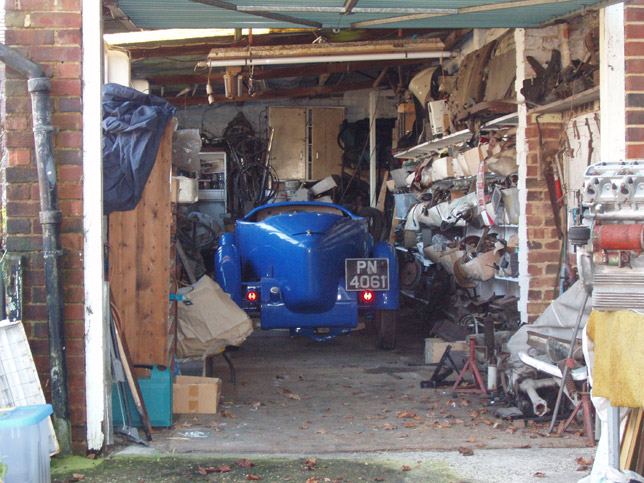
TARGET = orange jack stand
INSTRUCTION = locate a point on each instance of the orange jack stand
(587, 412)
(471, 366)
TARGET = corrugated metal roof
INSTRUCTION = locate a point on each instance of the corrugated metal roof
(155, 14)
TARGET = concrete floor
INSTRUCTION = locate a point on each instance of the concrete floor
(300, 397)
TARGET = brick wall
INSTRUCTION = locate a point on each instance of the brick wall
(49, 33)
(543, 243)
(634, 69)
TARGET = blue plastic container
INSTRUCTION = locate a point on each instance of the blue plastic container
(24, 444)
(157, 396)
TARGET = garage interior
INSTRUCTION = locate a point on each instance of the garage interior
(428, 122)
(462, 135)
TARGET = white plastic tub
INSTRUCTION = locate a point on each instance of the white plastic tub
(24, 443)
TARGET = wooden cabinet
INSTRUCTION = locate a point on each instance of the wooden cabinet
(305, 142)
(141, 261)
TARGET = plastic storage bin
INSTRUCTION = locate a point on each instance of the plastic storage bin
(157, 396)
(24, 443)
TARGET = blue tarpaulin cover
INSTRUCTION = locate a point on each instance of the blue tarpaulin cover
(133, 124)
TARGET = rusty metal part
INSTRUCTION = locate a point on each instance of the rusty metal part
(619, 259)
(619, 237)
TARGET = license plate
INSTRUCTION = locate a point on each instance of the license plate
(366, 274)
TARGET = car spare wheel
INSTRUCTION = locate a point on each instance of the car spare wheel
(386, 327)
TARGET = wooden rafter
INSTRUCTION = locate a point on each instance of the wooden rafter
(275, 94)
(349, 5)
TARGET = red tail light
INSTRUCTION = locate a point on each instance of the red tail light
(251, 296)
(367, 296)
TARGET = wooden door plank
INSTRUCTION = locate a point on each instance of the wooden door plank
(325, 151)
(140, 263)
(288, 154)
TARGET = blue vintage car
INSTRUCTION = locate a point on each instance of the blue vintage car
(307, 266)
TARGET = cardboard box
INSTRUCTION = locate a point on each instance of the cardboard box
(198, 395)
(442, 168)
(471, 159)
(435, 347)
(184, 190)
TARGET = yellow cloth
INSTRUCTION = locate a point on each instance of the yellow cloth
(619, 356)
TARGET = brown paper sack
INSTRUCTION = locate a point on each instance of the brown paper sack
(209, 321)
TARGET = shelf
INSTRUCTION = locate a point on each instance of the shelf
(507, 120)
(506, 226)
(431, 147)
(569, 103)
(507, 279)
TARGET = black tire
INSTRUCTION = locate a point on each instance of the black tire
(386, 327)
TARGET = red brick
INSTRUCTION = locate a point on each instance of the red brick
(634, 150)
(72, 241)
(72, 191)
(19, 139)
(67, 121)
(76, 346)
(635, 83)
(74, 311)
(70, 173)
(72, 260)
(634, 48)
(18, 192)
(35, 191)
(37, 295)
(73, 278)
(57, 20)
(74, 328)
(66, 87)
(74, 295)
(56, 54)
(534, 269)
(69, 104)
(18, 105)
(16, 88)
(30, 5)
(634, 31)
(70, 5)
(543, 256)
(536, 295)
(553, 245)
(69, 36)
(69, 139)
(72, 224)
(75, 363)
(16, 123)
(534, 220)
(68, 70)
(633, 14)
(22, 208)
(23, 243)
(79, 432)
(68, 157)
(634, 134)
(29, 37)
(19, 157)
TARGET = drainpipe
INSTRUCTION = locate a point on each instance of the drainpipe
(50, 218)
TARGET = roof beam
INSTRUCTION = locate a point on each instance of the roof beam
(277, 73)
(260, 13)
(349, 5)
(342, 10)
(119, 15)
(274, 94)
(459, 11)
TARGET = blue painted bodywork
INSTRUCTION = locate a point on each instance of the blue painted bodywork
(293, 255)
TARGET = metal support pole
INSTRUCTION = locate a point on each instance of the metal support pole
(373, 162)
(613, 436)
(566, 369)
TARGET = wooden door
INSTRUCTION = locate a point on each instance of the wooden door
(288, 153)
(326, 154)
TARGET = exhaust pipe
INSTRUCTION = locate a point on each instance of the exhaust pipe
(530, 386)
(39, 86)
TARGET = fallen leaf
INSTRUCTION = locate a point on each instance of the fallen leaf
(223, 469)
(378, 479)
(465, 451)
(244, 463)
(253, 477)
(480, 444)
(406, 468)
(471, 439)
(321, 431)
(304, 426)
(488, 422)
(525, 446)
(91, 456)
(583, 461)
(388, 427)
(309, 465)
(582, 468)
(312, 480)
(510, 430)
(445, 425)
(474, 414)
(292, 395)
(202, 471)
(539, 474)
(226, 414)
(255, 405)
(78, 476)
(406, 414)
(410, 425)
